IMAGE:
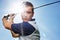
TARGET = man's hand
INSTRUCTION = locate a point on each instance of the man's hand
(7, 24)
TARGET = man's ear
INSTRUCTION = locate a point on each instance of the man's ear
(32, 14)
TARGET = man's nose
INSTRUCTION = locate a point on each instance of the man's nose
(25, 14)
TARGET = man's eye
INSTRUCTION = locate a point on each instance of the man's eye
(29, 12)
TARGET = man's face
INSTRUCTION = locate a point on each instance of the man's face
(27, 13)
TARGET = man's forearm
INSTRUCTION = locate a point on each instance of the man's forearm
(14, 34)
(7, 24)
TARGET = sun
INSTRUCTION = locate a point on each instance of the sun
(16, 8)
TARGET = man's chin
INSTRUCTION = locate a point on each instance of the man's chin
(25, 20)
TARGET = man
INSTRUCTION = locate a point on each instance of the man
(27, 30)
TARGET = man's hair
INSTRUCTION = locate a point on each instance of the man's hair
(29, 4)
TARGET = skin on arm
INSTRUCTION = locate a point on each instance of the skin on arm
(14, 34)
(7, 25)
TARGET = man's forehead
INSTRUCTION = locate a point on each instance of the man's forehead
(27, 8)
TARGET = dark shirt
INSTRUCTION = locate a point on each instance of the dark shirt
(23, 28)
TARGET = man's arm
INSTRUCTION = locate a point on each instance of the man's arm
(7, 25)
(14, 34)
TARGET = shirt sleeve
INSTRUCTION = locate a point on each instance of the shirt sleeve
(25, 26)
(16, 28)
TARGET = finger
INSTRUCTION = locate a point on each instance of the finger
(11, 14)
(12, 17)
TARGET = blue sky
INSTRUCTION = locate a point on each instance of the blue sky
(47, 18)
